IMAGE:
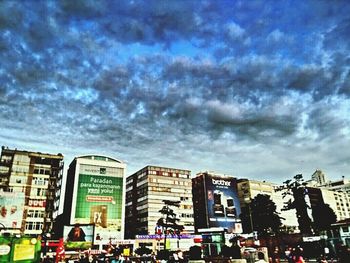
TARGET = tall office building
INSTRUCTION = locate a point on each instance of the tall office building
(319, 177)
(216, 202)
(335, 193)
(30, 188)
(145, 191)
(95, 195)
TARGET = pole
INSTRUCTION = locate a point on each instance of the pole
(250, 217)
(166, 226)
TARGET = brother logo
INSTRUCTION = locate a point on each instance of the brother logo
(220, 182)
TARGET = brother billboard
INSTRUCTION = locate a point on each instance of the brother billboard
(223, 203)
(99, 201)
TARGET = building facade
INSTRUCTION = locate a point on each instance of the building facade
(216, 203)
(145, 191)
(95, 195)
(338, 201)
(30, 189)
(249, 189)
(335, 193)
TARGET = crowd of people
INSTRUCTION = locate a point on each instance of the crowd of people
(291, 254)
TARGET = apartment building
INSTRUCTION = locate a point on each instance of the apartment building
(30, 189)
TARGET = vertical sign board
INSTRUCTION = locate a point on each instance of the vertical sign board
(11, 209)
(99, 201)
(223, 203)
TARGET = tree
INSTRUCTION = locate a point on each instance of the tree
(245, 218)
(264, 216)
(169, 219)
(323, 216)
(295, 189)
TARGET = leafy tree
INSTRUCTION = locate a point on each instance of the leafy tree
(264, 216)
(295, 189)
(169, 219)
(323, 216)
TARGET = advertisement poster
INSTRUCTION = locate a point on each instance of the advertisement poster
(78, 236)
(11, 209)
(223, 203)
(99, 202)
(19, 249)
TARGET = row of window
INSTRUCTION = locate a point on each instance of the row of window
(34, 225)
(172, 182)
(37, 181)
(186, 215)
(42, 170)
(21, 158)
(169, 174)
(35, 214)
(20, 169)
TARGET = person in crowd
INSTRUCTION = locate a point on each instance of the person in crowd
(296, 255)
(261, 258)
(276, 255)
(343, 254)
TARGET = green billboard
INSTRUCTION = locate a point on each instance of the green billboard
(23, 249)
(99, 202)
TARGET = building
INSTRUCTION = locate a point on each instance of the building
(249, 189)
(30, 184)
(145, 191)
(338, 201)
(216, 203)
(95, 195)
(319, 177)
(340, 233)
(334, 193)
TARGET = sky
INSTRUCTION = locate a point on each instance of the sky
(252, 89)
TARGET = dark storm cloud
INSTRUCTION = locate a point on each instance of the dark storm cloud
(198, 74)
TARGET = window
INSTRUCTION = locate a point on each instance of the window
(41, 170)
(345, 229)
(21, 158)
(6, 158)
(34, 226)
(40, 181)
(4, 169)
(18, 179)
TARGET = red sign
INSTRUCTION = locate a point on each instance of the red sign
(37, 203)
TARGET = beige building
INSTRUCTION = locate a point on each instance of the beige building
(31, 189)
(334, 193)
(145, 191)
(249, 189)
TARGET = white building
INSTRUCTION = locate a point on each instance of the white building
(145, 191)
(95, 195)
